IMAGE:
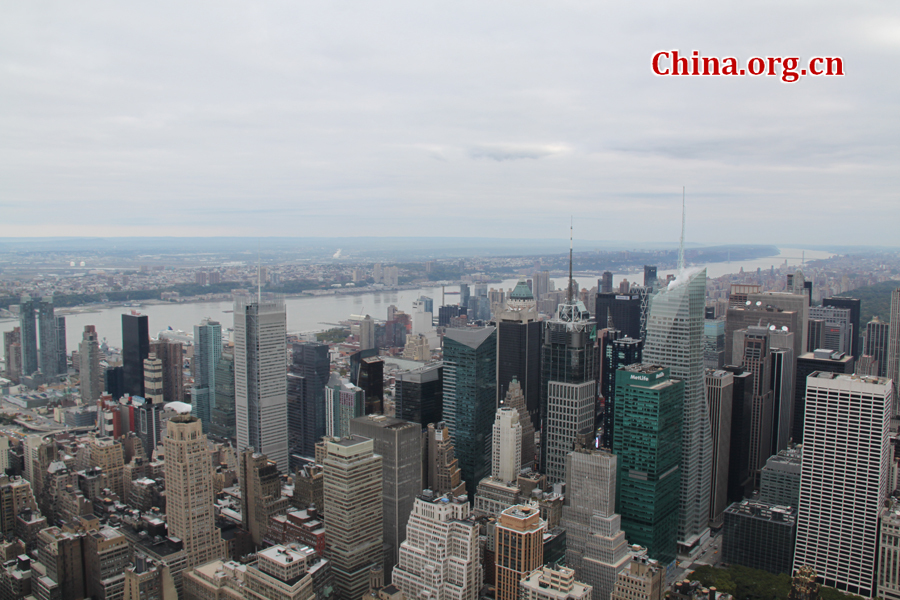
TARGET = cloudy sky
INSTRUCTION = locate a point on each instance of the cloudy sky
(459, 118)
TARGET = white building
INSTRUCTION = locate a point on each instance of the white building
(506, 459)
(889, 554)
(260, 377)
(554, 583)
(440, 559)
(844, 478)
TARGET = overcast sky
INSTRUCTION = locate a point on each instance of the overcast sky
(487, 118)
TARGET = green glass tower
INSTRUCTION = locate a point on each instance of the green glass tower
(648, 444)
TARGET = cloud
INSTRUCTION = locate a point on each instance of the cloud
(501, 152)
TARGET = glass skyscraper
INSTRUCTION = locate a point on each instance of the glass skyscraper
(470, 377)
(675, 340)
(28, 336)
(135, 348)
(207, 351)
(648, 445)
(307, 377)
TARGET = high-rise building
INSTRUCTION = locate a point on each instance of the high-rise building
(893, 350)
(148, 422)
(719, 397)
(519, 349)
(440, 557)
(759, 535)
(540, 284)
(515, 399)
(260, 378)
(649, 445)
(620, 311)
(877, 336)
(555, 583)
(595, 543)
(354, 511)
(12, 353)
(49, 363)
(440, 469)
(153, 379)
(399, 443)
(570, 366)
(171, 353)
(644, 579)
(742, 317)
(260, 493)
(222, 414)
(889, 553)
(28, 336)
(367, 372)
(854, 305)
(675, 340)
(207, 352)
(819, 360)
(307, 378)
(90, 371)
(419, 394)
(617, 352)
(650, 276)
(714, 343)
(106, 555)
(605, 284)
(470, 378)
(518, 547)
(506, 458)
(190, 499)
(837, 331)
(343, 402)
(367, 333)
(752, 347)
(844, 478)
(135, 348)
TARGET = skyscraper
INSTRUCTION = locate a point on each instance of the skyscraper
(12, 353)
(855, 307)
(675, 340)
(135, 348)
(260, 378)
(540, 284)
(877, 336)
(820, 360)
(307, 378)
(343, 402)
(837, 330)
(28, 336)
(621, 311)
(752, 345)
(649, 445)
(569, 367)
(260, 493)
(190, 498)
(222, 414)
(419, 394)
(506, 458)
(515, 399)
(354, 510)
(440, 557)
(440, 472)
(519, 349)
(153, 379)
(519, 548)
(47, 327)
(844, 478)
(617, 352)
(91, 375)
(470, 376)
(207, 352)
(893, 351)
(719, 396)
(399, 443)
(171, 354)
(367, 333)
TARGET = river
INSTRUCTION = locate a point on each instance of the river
(316, 313)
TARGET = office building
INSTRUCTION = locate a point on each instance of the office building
(819, 360)
(190, 499)
(893, 350)
(207, 352)
(877, 336)
(780, 481)
(440, 469)
(675, 340)
(784, 379)
(515, 399)
(554, 583)
(440, 557)
(419, 394)
(844, 478)
(719, 399)
(762, 315)
(889, 552)
(28, 339)
(519, 350)
(751, 346)
(367, 373)
(171, 353)
(617, 352)
(353, 509)
(595, 543)
(260, 380)
(90, 371)
(644, 579)
(399, 443)
(222, 415)
(108, 455)
(620, 311)
(307, 377)
(570, 368)
(106, 555)
(343, 402)
(12, 354)
(52, 363)
(540, 284)
(506, 457)
(470, 378)
(260, 494)
(518, 547)
(759, 535)
(650, 277)
(153, 379)
(713, 343)
(135, 349)
(649, 445)
(837, 330)
(148, 422)
(854, 305)
(367, 333)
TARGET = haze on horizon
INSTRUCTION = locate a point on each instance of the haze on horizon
(493, 120)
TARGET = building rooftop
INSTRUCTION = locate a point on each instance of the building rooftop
(472, 337)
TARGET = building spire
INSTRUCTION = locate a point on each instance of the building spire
(570, 294)
(681, 245)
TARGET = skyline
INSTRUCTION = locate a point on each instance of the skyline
(397, 119)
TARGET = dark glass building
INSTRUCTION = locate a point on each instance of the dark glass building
(820, 360)
(760, 536)
(419, 395)
(519, 350)
(367, 372)
(618, 352)
(135, 348)
(621, 311)
(854, 305)
(740, 480)
(222, 414)
(649, 416)
(307, 377)
(115, 381)
(470, 396)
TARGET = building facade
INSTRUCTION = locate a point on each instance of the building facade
(207, 352)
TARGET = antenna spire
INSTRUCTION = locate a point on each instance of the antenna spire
(681, 245)
(570, 294)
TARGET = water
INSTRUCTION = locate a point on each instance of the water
(317, 313)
